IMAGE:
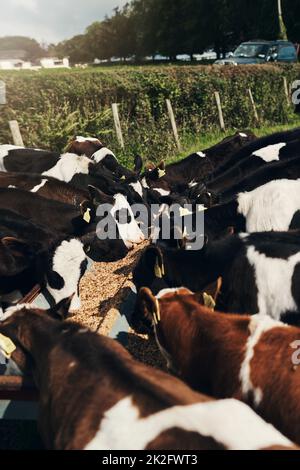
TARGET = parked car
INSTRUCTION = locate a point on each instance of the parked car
(260, 52)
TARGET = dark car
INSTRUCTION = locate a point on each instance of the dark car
(261, 52)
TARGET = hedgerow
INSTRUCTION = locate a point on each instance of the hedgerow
(51, 107)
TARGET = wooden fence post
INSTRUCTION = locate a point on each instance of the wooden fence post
(118, 124)
(286, 90)
(220, 112)
(253, 105)
(16, 133)
(173, 123)
(2, 92)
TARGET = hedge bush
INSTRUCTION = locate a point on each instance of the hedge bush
(52, 106)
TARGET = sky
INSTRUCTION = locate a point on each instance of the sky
(52, 20)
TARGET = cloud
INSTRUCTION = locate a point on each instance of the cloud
(52, 20)
(31, 5)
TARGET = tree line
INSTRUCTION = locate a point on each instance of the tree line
(144, 28)
(169, 28)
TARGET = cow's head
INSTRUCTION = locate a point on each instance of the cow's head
(154, 176)
(16, 339)
(15, 256)
(115, 214)
(84, 146)
(171, 313)
(119, 213)
(198, 193)
(68, 263)
(162, 312)
(150, 268)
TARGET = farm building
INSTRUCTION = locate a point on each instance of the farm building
(13, 60)
(54, 63)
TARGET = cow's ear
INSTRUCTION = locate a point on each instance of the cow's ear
(148, 305)
(210, 294)
(182, 243)
(162, 166)
(99, 197)
(15, 246)
(138, 164)
(61, 310)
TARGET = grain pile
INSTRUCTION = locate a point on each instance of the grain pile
(102, 291)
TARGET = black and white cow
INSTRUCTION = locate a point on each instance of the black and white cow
(266, 148)
(274, 206)
(197, 166)
(32, 254)
(260, 272)
(68, 220)
(47, 187)
(94, 149)
(287, 169)
(266, 157)
(68, 167)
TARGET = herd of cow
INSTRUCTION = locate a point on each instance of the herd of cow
(238, 384)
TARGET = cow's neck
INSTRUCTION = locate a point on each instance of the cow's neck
(36, 335)
(213, 352)
(200, 268)
(220, 217)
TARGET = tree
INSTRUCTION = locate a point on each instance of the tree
(122, 32)
(282, 28)
(32, 49)
(291, 19)
(76, 49)
(167, 27)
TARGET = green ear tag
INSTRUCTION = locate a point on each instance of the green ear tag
(87, 216)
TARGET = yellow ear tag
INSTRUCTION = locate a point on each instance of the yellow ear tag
(184, 212)
(87, 216)
(161, 173)
(157, 271)
(7, 346)
(123, 178)
(209, 301)
(157, 311)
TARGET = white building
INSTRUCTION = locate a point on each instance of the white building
(13, 60)
(54, 63)
(16, 60)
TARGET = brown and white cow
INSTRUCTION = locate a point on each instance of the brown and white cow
(95, 396)
(253, 359)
